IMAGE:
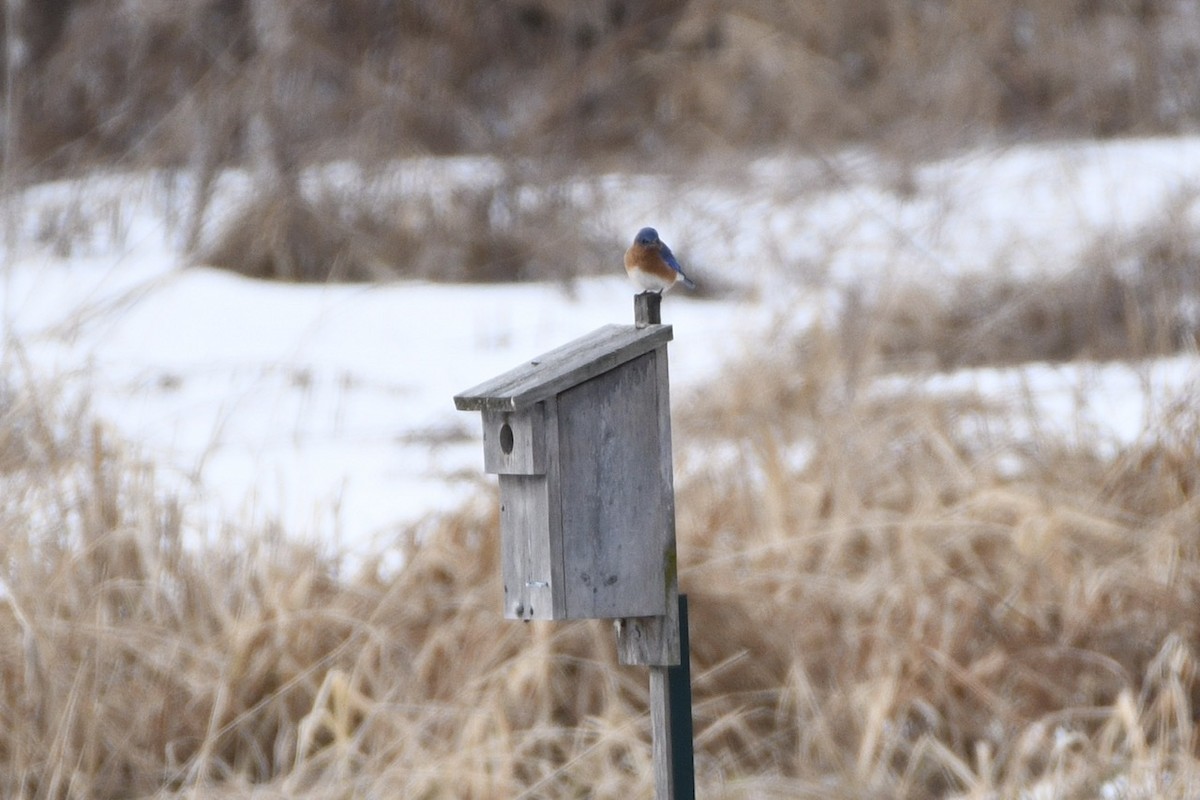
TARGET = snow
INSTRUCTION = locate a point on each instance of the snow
(329, 408)
(1103, 406)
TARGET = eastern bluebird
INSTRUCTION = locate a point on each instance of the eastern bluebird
(651, 264)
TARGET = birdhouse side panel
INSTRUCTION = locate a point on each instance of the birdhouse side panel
(531, 565)
(617, 535)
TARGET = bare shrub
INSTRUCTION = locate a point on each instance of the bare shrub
(277, 87)
(164, 82)
(287, 238)
(1129, 297)
(524, 224)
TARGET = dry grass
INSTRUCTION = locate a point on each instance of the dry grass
(881, 606)
(521, 225)
(937, 621)
(1129, 297)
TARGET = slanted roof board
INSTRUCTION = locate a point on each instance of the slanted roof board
(573, 363)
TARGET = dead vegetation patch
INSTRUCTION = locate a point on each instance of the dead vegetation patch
(881, 604)
(182, 82)
(1129, 297)
(513, 229)
(278, 87)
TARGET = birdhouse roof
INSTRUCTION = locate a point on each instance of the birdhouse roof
(563, 367)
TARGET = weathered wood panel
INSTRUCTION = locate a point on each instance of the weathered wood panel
(654, 641)
(618, 545)
(647, 309)
(649, 641)
(563, 367)
(530, 532)
(514, 442)
(661, 734)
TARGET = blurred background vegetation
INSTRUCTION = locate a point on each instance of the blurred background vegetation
(551, 87)
(169, 82)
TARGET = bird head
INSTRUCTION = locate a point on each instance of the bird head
(647, 237)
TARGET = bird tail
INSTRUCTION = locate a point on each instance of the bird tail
(688, 282)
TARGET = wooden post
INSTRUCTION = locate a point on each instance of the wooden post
(671, 721)
(647, 309)
(660, 734)
(661, 642)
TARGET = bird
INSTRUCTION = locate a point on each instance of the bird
(651, 265)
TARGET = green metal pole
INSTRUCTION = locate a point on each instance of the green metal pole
(679, 699)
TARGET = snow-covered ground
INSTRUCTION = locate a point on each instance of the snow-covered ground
(330, 408)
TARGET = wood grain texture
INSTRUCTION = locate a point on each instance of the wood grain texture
(647, 309)
(649, 641)
(563, 367)
(660, 734)
(581, 441)
(654, 641)
(514, 442)
(615, 504)
(531, 532)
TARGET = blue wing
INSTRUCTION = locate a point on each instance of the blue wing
(673, 263)
(669, 257)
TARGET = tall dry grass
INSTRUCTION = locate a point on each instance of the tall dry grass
(1131, 296)
(944, 614)
(890, 596)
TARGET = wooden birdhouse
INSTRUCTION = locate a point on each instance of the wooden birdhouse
(581, 441)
